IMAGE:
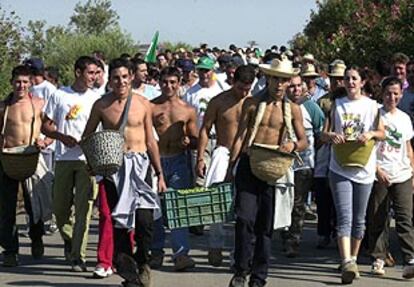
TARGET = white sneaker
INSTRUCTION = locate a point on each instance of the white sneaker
(377, 267)
(408, 271)
(101, 272)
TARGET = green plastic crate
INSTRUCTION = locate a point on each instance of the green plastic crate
(206, 206)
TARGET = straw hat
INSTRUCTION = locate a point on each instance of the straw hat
(309, 57)
(280, 68)
(337, 69)
(309, 71)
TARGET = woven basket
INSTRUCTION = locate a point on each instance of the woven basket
(20, 162)
(268, 163)
(353, 153)
(104, 151)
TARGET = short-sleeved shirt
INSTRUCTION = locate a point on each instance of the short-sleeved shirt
(392, 154)
(70, 112)
(352, 118)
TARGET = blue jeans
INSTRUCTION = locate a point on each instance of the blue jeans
(177, 174)
(351, 202)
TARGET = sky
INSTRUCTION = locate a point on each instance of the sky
(216, 22)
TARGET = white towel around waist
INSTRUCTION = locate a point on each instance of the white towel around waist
(218, 166)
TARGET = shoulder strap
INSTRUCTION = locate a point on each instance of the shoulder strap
(260, 110)
(124, 118)
(287, 117)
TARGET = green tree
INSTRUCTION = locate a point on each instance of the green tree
(95, 17)
(358, 31)
(65, 48)
(11, 47)
(35, 39)
(176, 46)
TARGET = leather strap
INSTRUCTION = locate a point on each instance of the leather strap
(124, 118)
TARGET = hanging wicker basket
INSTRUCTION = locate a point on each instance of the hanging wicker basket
(20, 162)
(268, 163)
(104, 151)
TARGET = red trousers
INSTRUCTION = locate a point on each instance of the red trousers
(108, 242)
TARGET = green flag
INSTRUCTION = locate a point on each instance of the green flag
(151, 55)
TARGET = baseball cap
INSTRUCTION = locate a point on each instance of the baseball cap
(186, 65)
(205, 63)
(36, 64)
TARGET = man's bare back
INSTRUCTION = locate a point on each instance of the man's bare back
(19, 120)
(175, 122)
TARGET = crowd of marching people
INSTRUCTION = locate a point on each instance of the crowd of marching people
(284, 128)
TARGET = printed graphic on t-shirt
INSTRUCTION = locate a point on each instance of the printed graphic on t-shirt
(73, 112)
(392, 142)
(352, 125)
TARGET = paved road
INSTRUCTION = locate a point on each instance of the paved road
(313, 268)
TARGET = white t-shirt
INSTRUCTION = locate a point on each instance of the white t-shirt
(392, 152)
(351, 119)
(70, 112)
(43, 90)
(199, 97)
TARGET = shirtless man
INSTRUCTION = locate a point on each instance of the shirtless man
(22, 108)
(128, 184)
(176, 125)
(223, 111)
(252, 193)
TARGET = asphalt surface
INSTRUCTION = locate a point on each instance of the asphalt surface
(312, 268)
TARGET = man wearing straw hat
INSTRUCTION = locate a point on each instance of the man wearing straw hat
(131, 199)
(66, 114)
(21, 117)
(309, 75)
(255, 198)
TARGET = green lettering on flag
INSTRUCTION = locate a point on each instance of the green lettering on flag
(151, 55)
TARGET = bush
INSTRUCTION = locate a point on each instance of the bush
(357, 31)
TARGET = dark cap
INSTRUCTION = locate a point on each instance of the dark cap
(186, 65)
(36, 64)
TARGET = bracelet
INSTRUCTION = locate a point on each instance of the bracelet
(157, 173)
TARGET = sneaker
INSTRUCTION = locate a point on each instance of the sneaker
(238, 280)
(38, 248)
(183, 262)
(323, 242)
(408, 272)
(10, 260)
(79, 266)
(377, 267)
(145, 276)
(215, 257)
(102, 272)
(67, 250)
(349, 272)
(156, 260)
